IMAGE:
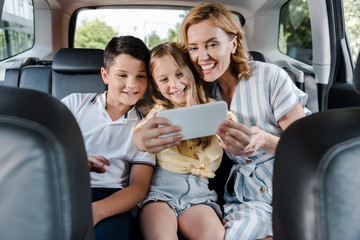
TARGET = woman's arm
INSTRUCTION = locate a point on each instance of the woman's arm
(241, 140)
(127, 198)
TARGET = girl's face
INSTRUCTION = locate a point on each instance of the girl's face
(210, 49)
(170, 81)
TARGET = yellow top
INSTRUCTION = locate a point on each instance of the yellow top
(188, 157)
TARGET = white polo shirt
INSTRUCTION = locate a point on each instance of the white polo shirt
(108, 138)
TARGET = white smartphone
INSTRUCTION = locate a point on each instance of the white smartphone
(197, 121)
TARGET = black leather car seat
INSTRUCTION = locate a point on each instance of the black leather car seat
(77, 70)
(317, 176)
(44, 176)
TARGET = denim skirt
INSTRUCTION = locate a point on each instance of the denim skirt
(180, 191)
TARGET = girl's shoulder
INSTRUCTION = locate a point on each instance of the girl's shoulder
(154, 109)
(210, 100)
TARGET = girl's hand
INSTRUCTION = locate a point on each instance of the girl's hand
(241, 140)
(148, 136)
(97, 163)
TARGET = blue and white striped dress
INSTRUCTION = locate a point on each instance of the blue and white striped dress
(259, 101)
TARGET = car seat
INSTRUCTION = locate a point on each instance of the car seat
(44, 176)
(77, 70)
(316, 177)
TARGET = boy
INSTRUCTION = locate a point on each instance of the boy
(121, 174)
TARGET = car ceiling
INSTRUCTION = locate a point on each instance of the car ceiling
(247, 8)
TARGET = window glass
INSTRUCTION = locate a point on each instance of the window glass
(295, 39)
(95, 27)
(16, 27)
(352, 25)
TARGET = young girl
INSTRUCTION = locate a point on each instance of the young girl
(179, 197)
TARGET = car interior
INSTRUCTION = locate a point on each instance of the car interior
(46, 194)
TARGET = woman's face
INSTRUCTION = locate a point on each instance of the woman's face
(170, 81)
(210, 49)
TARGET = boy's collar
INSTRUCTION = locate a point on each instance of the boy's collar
(131, 114)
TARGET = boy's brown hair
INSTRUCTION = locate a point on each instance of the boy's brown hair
(130, 45)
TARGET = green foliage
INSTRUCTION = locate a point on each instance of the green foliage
(173, 34)
(94, 34)
(352, 25)
(295, 30)
(153, 39)
(14, 39)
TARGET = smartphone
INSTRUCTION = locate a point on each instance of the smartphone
(196, 121)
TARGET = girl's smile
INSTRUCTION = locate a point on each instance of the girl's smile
(170, 81)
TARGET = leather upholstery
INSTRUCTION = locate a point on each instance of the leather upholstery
(44, 177)
(37, 77)
(316, 177)
(76, 70)
(257, 56)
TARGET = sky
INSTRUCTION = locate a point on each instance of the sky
(136, 22)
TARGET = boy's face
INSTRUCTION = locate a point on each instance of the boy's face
(127, 80)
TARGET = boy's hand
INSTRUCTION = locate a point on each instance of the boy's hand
(97, 163)
(148, 137)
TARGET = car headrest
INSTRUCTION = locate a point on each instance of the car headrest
(356, 79)
(78, 60)
(257, 56)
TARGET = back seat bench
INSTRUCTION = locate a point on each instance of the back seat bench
(72, 70)
(78, 70)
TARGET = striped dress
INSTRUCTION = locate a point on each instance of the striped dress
(259, 101)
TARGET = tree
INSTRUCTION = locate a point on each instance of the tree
(153, 39)
(352, 24)
(173, 34)
(295, 37)
(94, 34)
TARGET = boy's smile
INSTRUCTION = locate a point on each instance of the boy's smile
(127, 81)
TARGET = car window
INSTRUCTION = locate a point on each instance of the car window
(95, 27)
(295, 39)
(16, 27)
(352, 25)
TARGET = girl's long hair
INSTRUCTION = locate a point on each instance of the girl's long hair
(195, 90)
(221, 17)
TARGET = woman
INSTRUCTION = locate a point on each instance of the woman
(265, 101)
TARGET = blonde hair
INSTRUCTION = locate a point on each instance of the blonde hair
(196, 93)
(195, 90)
(222, 18)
